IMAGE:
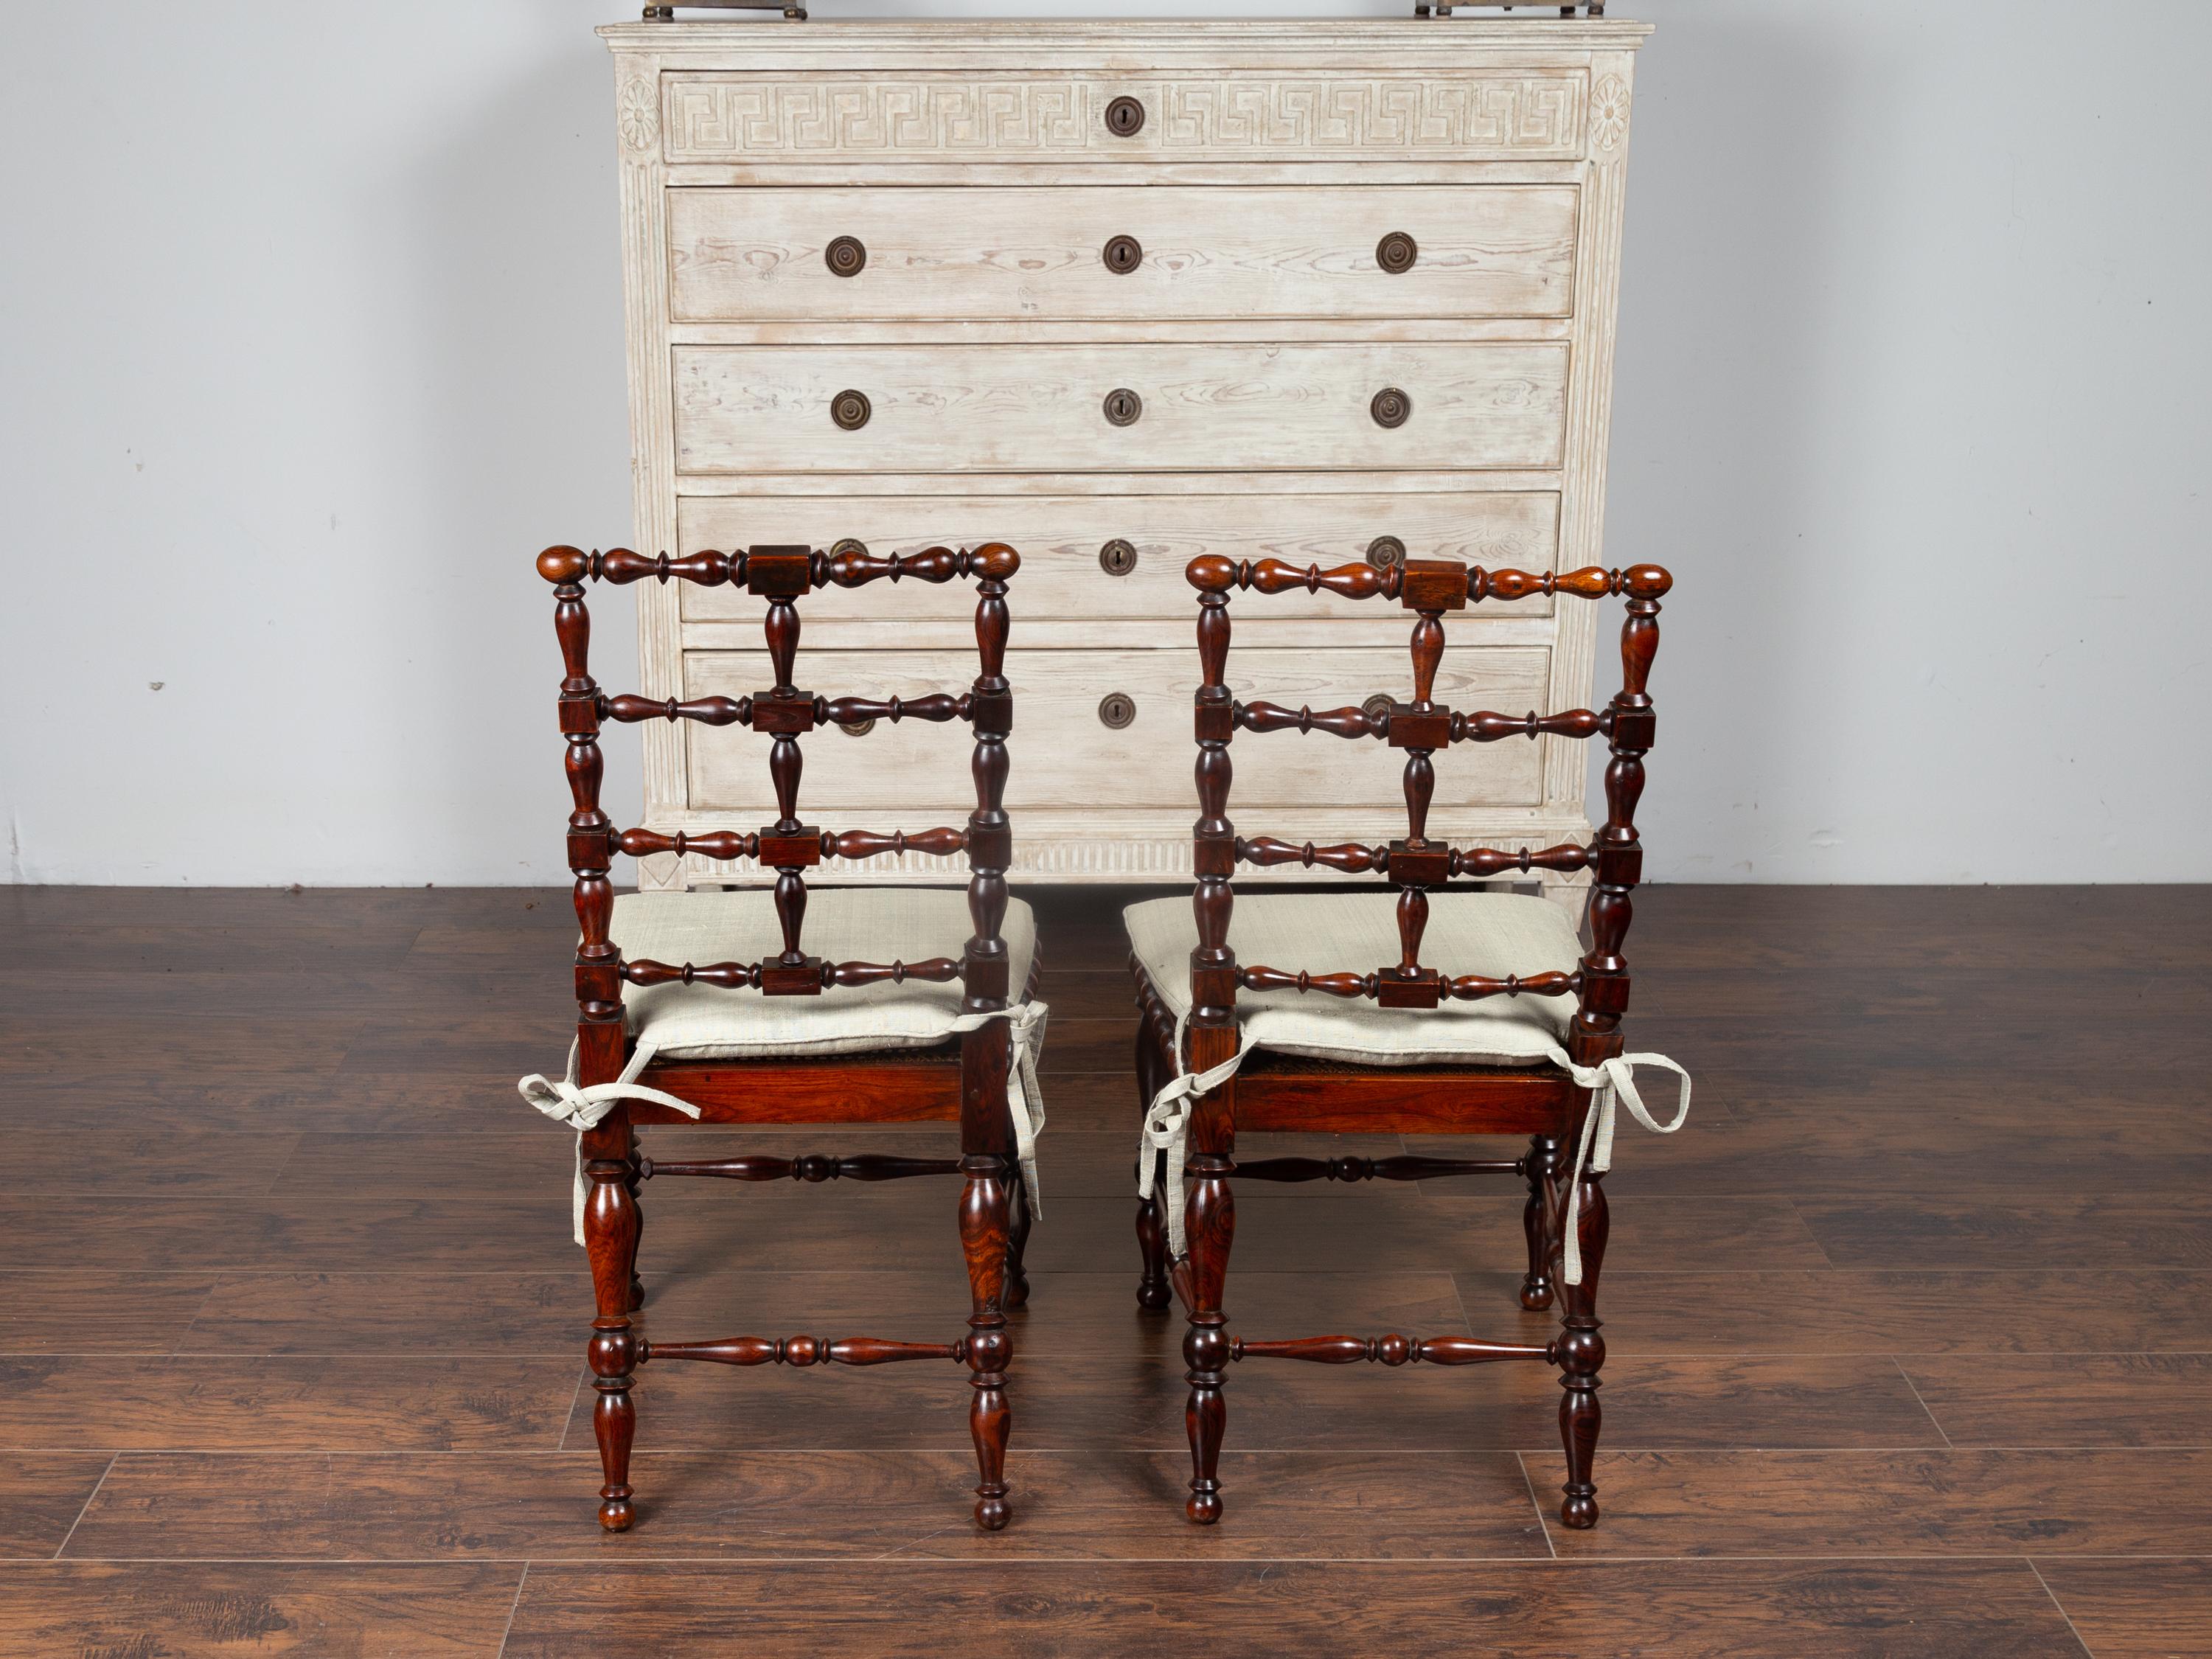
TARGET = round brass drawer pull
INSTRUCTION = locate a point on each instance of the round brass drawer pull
(1116, 709)
(1125, 118)
(1123, 254)
(851, 409)
(1396, 253)
(856, 728)
(1390, 407)
(1123, 406)
(847, 257)
(1386, 552)
(1377, 707)
(1117, 557)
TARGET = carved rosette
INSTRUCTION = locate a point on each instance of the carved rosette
(1608, 116)
(637, 116)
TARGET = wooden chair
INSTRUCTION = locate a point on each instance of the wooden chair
(889, 1048)
(1468, 1052)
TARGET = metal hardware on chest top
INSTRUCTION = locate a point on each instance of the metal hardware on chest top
(1445, 8)
(851, 409)
(1116, 709)
(1117, 557)
(790, 8)
(1123, 406)
(1390, 407)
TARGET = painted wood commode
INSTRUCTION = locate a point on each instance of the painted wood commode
(1119, 294)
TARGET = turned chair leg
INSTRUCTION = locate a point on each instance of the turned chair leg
(983, 1238)
(1581, 1355)
(1152, 1291)
(610, 1238)
(632, 1180)
(1540, 1220)
(1017, 1239)
(1209, 1229)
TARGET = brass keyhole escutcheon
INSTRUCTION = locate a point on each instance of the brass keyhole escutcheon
(1386, 552)
(1117, 557)
(1125, 118)
(1396, 253)
(847, 257)
(1376, 707)
(1123, 406)
(1390, 407)
(1116, 709)
(856, 728)
(850, 409)
(1124, 254)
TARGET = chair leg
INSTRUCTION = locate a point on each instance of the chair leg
(1538, 1217)
(632, 1180)
(1017, 1239)
(610, 1238)
(1152, 1227)
(1581, 1355)
(983, 1239)
(1153, 1291)
(1209, 1229)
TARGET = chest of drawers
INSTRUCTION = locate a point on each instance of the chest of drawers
(1120, 293)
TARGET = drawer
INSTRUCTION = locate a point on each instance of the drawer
(1490, 112)
(915, 775)
(1065, 576)
(1176, 251)
(1052, 408)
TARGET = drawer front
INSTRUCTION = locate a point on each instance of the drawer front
(1491, 112)
(1051, 408)
(1068, 573)
(1176, 251)
(1064, 755)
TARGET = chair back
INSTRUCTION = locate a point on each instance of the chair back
(783, 576)
(1421, 727)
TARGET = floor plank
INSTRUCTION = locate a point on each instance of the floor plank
(73, 1609)
(2068, 1399)
(348, 1403)
(1669, 1610)
(2135, 1609)
(767, 1506)
(1915, 1503)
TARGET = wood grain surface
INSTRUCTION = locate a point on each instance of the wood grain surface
(1909, 1331)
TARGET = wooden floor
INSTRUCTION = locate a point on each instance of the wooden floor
(1910, 1332)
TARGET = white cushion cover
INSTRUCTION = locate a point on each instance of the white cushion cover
(1495, 934)
(871, 924)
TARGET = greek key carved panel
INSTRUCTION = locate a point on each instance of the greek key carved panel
(712, 118)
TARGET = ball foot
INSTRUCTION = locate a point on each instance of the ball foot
(1536, 1294)
(1153, 1297)
(618, 1515)
(1204, 1507)
(992, 1514)
(1579, 1512)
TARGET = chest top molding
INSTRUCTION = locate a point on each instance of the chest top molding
(1122, 45)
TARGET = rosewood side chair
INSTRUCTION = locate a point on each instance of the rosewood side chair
(1478, 1047)
(665, 1033)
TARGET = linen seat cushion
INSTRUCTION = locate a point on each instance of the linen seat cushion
(1495, 934)
(878, 924)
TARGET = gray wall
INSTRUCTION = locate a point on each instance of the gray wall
(311, 325)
